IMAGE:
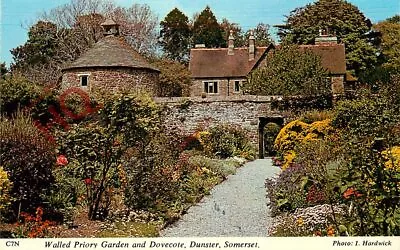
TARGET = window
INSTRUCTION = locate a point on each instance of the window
(236, 87)
(84, 80)
(211, 87)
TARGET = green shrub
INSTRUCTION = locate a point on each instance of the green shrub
(221, 167)
(16, 93)
(226, 141)
(29, 158)
(296, 133)
(286, 192)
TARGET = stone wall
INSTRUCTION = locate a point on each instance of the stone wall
(112, 79)
(190, 114)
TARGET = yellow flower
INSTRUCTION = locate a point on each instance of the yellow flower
(288, 159)
(300, 222)
(392, 157)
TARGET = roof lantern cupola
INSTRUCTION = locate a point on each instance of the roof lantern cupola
(110, 27)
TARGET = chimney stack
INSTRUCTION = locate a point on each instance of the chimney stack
(231, 44)
(252, 46)
(325, 39)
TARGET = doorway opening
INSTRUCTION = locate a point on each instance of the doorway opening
(268, 129)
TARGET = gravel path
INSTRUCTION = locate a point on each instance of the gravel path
(236, 207)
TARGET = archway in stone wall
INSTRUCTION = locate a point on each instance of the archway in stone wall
(263, 121)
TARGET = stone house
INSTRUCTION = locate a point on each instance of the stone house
(222, 71)
(111, 65)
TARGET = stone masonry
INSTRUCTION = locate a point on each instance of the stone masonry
(194, 113)
(112, 79)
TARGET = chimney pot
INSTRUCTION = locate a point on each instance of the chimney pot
(231, 45)
(252, 46)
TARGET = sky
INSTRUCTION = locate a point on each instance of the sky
(17, 15)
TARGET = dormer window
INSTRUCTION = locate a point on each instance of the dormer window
(84, 80)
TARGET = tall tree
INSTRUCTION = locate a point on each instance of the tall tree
(339, 17)
(390, 42)
(175, 36)
(206, 30)
(174, 78)
(290, 71)
(138, 25)
(137, 22)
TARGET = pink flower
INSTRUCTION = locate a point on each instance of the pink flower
(62, 160)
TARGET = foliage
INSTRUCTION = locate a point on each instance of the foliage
(285, 193)
(226, 141)
(33, 226)
(299, 104)
(290, 71)
(271, 131)
(97, 148)
(65, 32)
(222, 168)
(67, 192)
(48, 46)
(29, 158)
(261, 34)
(139, 25)
(153, 174)
(174, 79)
(206, 30)
(3, 70)
(16, 93)
(371, 190)
(369, 125)
(392, 157)
(338, 17)
(296, 134)
(175, 36)
(389, 34)
(239, 37)
(5, 188)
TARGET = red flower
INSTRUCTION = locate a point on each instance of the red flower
(88, 181)
(62, 160)
(351, 191)
(39, 214)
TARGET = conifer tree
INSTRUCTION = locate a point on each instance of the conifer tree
(206, 30)
(175, 36)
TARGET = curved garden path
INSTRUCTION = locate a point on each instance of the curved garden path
(236, 207)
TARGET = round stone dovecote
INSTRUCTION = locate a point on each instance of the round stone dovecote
(111, 65)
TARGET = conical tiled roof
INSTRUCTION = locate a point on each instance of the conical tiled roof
(111, 51)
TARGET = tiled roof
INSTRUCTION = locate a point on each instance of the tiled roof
(217, 63)
(111, 51)
(333, 56)
(214, 63)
